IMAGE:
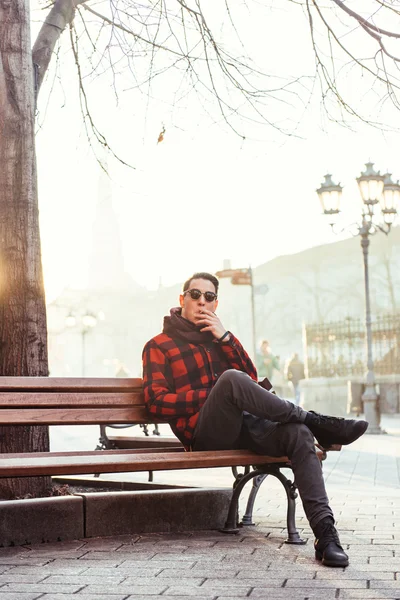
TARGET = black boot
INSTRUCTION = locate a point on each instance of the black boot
(334, 430)
(327, 545)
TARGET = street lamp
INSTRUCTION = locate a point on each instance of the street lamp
(88, 321)
(375, 190)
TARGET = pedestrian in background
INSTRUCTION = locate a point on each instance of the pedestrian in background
(267, 362)
(295, 373)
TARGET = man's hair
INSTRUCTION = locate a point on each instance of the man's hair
(207, 276)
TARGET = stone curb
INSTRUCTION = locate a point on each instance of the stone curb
(112, 513)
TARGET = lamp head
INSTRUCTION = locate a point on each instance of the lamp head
(329, 195)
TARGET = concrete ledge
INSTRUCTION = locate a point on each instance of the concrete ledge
(117, 513)
(111, 513)
(41, 520)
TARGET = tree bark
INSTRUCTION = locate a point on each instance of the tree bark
(23, 333)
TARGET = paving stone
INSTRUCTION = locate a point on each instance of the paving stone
(78, 597)
(126, 566)
(378, 560)
(293, 582)
(164, 581)
(223, 550)
(160, 564)
(220, 572)
(83, 580)
(120, 556)
(12, 551)
(21, 596)
(189, 557)
(348, 574)
(11, 577)
(153, 548)
(384, 550)
(5, 568)
(376, 585)
(40, 587)
(366, 568)
(386, 593)
(192, 592)
(293, 594)
(50, 569)
(134, 590)
(217, 583)
(23, 560)
(145, 570)
(60, 546)
(48, 553)
(112, 560)
(276, 574)
(111, 543)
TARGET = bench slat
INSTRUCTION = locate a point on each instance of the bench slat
(82, 400)
(71, 384)
(75, 416)
(154, 441)
(116, 462)
(66, 454)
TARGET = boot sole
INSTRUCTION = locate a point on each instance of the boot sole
(330, 563)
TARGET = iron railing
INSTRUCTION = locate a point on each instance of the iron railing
(338, 349)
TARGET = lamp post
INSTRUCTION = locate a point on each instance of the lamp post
(375, 190)
(88, 321)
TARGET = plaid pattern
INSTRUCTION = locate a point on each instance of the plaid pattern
(178, 376)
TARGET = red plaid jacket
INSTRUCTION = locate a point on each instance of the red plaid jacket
(178, 376)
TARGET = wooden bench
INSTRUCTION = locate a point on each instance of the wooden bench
(88, 401)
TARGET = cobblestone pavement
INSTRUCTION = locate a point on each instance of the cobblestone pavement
(363, 484)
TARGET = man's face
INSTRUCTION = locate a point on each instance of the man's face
(192, 309)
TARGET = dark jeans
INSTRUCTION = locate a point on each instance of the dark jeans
(239, 413)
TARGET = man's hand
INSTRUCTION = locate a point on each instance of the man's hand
(210, 322)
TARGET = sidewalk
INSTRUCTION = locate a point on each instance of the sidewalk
(363, 483)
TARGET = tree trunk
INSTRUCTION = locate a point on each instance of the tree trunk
(23, 335)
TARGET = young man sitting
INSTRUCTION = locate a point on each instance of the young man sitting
(198, 377)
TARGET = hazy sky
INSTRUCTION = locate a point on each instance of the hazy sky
(203, 194)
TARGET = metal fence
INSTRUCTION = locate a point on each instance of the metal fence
(339, 348)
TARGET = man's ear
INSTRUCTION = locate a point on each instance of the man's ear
(181, 299)
(216, 304)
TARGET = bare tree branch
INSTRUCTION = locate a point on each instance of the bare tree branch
(138, 41)
(61, 14)
(367, 24)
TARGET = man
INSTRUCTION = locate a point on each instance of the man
(295, 373)
(198, 377)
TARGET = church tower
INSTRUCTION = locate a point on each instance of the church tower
(106, 265)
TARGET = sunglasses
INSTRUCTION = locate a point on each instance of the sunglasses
(196, 294)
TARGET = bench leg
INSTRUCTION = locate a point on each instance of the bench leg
(231, 525)
(291, 494)
(104, 442)
(248, 515)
